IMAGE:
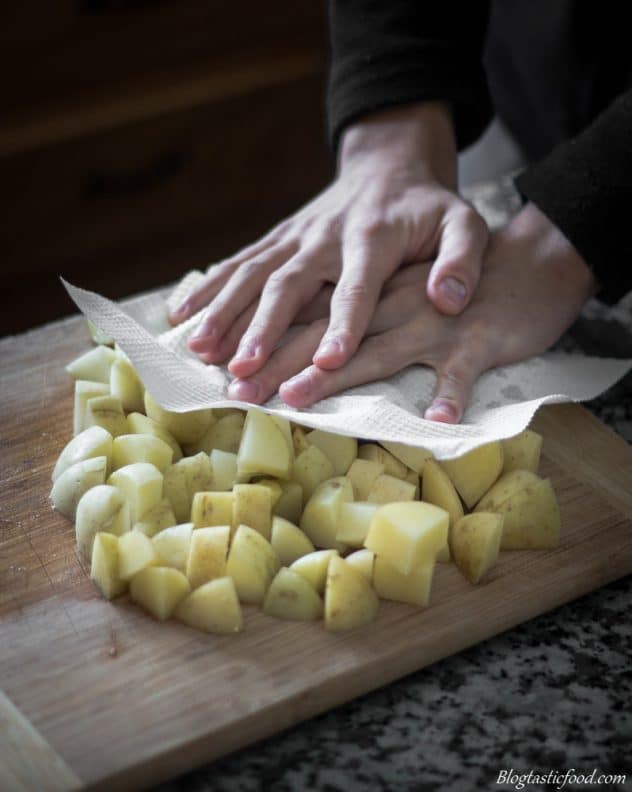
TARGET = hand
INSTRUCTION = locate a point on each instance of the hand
(533, 286)
(392, 203)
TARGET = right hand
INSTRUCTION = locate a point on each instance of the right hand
(393, 203)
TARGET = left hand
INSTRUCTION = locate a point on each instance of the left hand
(532, 288)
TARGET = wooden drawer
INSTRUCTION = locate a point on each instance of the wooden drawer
(55, 51)
(135, 207)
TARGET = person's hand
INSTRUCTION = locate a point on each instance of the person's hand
(533, 286)
(392, 203)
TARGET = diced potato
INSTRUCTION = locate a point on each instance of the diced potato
(299, 440)
(311, 468)
(225, 435)
(158, 590)
(288, 541)
(475, 542)
(85, 390)
(283, 425)
(354, 520)
(290, 504)
(252, 564)
(263, 449)
(106, 411)
(362, 560)
(186, 427)
(104, 569)
(413, 587)
(474, 473)
(212, 508)
(437, 488)
(413, 478)
(362, 474)
(141, 483)
(291, 597)
(532, 518)
(101, 509)
(522, 452)
(349, 599)
(172, 545)
(213, 607)
(375, 453)
(98, 336)
(92, 442)
(388, 489)
(276, 490)
(126, 385)
(252, 506)
(321, 513)
(137, 423)
(156, 519)
(93, 365)
(130, 448)
(506, 486)
(413, 457)
(207, 554)
(186, 478)
(76, 480)
(339, 449)
(224, 467)
(135, 552)
(313, 567)
(409, 534)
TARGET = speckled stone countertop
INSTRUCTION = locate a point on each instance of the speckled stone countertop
(553, 694)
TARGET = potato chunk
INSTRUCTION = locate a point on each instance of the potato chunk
(413, 588)
(474, 473)
(532, 518)
(156, 519)
(388, 489)
(291, 597)
(252, 564)
(290, 503)
(213, 608)
(349, 599)
(136, 552)
(411, 456)
(104, 569)
(93, 442)
(288, 541)
(375, 453)
(339, 449)
(184, 479)
(320, 516)
(141, 483)
(224, 468)
(311, 468)
(475, 542)
(436, 488)
(252, 506)
(212, 508)
(313, 567)
(225, 435)
(362, 560)
(186, 427)
(522, 452)
(172, 545)
(93, 365)
(506, 486)
(130, 448)
(85, 390)
(126, 385)
(362, 475)
(137, 423)
(158, 590)
(101, 509)
(207, 554)
(106, 411)
(263, 449)
(354, 520)
(76, 480)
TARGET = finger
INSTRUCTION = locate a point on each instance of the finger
(243, 286)
(455, 380)
(368, 259)
(377, 357)
(227, 347)
(457, 268)
(316, 309)
(217, 275)
(287, 360)
(285, 292)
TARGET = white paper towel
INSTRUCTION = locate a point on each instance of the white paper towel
(503, 402)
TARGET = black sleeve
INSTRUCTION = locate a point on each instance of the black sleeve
(585, 188)
(390, 52)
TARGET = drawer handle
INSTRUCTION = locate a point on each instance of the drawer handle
(112, 184)
(98, 6)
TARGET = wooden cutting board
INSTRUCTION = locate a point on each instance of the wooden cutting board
(97, 694)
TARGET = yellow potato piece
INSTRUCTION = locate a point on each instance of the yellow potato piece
(532, 518)
(411, 456)
(186, 427)
(224, 469)
(354, 520)
(126, 385)
(208, 550)
(350, 601)
(130, 448)
(213, 608)
(93, 365)
(252, 564)
(320, 515)
(313, 567)
(156, 519)
(172, 545)
(291, 597)
(107, 412)
(506, 486)
(362, 560)
(474, 473)
(104, 569)
(413, 588)
(290, 503)
(387, 489)
(137, 423)
(311, 468)
(288, 541)
(339, 449)
(184, 479)
(522, 452)
(375, 453)
(74, 482)
(85, 390)
(475, 542)
(225, 435)
(212, 508)
(264, 448)
(362, 475)
(135, 552)
(93, 442)
(252, 506)
(142, 485)
(436, 488)
(158, 590)
(101, 509)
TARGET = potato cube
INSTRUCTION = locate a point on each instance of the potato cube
(186, 427)
(412, 588)
(91, 443)
(137, 423)
(74, 482)
(101, 509)
(224, 435)
(212, 508)
(207, 554)
(186, 478)
(126, 385)
(158, 590)
(313, 567)
(411, 456)
(506, 486)
(413, 478)
(130, 448)
(263, 449)
(299, 440)
(252, 564)
(291, 597)
(106, 411)
(288, 541)
(311, 468)
(104, 569)
(141, 483)
(172, 545)
(224, 467)
(408, 535)
(349, 599)
(354, 520)
(474, 473)
(362, 475)
(276, 490)
(339, 449)
(320, 515)
(135, 551)
(290, 504)
(156, 519)
(85, 390)
(436, 488)
(389, 489)
(93, 365)
(252, 506)
(475, 542)
(532, 518)
(213, 608)
(362, 560)
(283, 425)
(522, 452)
(375, 453)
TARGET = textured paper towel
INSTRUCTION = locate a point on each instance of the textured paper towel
(503, 401)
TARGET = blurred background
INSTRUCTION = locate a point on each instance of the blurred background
(142, 138)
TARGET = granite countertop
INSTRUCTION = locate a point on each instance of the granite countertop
(554, 693)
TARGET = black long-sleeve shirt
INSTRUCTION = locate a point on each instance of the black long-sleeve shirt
(558, 74)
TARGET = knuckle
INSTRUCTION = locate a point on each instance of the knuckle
(350, 294)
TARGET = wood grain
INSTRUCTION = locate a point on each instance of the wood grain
(127, 702)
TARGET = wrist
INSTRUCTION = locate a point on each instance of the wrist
(418, 136)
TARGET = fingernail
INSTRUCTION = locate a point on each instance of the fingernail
(301, 384)
(244, 390)
(454, 290)
(329, 347)
(247, 349)
(444, 407)
(181, 310)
